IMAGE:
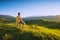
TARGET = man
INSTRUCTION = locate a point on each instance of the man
(19, 21)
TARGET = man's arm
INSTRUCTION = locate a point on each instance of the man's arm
(22, 21)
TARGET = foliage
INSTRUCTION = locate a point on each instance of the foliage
(35, 30)
(48, 24)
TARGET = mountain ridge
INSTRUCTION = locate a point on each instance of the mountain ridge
(55, 18)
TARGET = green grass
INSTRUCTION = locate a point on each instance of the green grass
(48, 24)
(35, 30)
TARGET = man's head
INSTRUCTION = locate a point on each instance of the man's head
(18, 13)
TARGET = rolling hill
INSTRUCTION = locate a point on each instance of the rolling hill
(7, 18)
(48, 24)
(55, 18)
(48, 18)
(33, 30)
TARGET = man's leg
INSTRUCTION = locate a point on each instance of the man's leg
(18, 25)
(21, 27)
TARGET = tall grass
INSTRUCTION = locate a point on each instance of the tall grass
(29, 32)
(35, 30)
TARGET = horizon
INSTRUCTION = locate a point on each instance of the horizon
(30, 7)
(31, 16)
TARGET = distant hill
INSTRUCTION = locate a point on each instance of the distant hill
(34, 29)
(48, 18)
(7, 18)
(48, 24)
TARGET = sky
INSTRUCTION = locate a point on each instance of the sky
(30, 7)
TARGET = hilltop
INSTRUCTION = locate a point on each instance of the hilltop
(33, 30)
(55, 18)
(30, 32)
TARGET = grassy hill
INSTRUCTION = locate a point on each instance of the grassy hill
(48, 24)
(33, 30)
(55, 18)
